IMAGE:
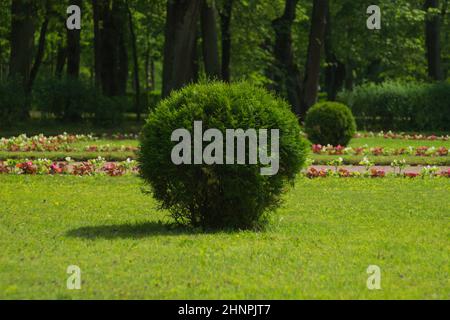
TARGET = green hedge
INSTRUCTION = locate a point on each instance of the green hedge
(400, 106)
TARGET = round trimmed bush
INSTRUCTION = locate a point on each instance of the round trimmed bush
(219, 196)
(330, 123)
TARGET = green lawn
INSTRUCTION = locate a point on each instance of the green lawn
(318, 246)
(397, 143)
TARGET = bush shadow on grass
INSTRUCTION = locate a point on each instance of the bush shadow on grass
(131, 231)
(140, 230)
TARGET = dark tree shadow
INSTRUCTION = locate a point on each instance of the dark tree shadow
(133, 231)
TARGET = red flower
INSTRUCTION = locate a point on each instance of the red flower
(27, 167)
(446, 173)
(421, 151)
(378, 151)
(314, 173)
(113, 170)
(411, 174)
(375, 173)
(58, 168)
(317, 148)
(442, 151)
(344, 173)
(339, 149)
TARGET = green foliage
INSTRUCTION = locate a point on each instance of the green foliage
(219, 196)
(109, 111)
(379, 55)
(13, 100)
(401, 106)
(63, 97)
(70, 99)
(330, 123)
(150, 100)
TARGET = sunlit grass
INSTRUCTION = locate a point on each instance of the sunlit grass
(319, 244)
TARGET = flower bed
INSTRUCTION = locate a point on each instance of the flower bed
(423, 151)
(96, 166)
(99, 166)
(42, 143)
(61, 142)
(427, 172)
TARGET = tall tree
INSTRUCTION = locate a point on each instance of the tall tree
(286, 72)
(23, 15)
(41, 46)
(334, 69)
(225, 27)
(137, 84)
(432, 40)
(61, 55)
(112, 63)
(209, 39)
(180, 44)
(73, 47)
(97, 10)
(312, 68)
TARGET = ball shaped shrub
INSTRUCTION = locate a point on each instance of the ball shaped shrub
(330, 123)
(219, 196)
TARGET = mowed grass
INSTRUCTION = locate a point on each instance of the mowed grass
(397, 143)
(319, 244)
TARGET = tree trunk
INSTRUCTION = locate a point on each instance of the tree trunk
(225, 26)
(209, 40)
(432, 41)
(152, 74)
(41, 49)
(23, 15)
(179, 46)
(61, 57)
(334, 70)
(147, 66)
(349, 79)
(97, 9)
(137, 84)
(312, 68)
(286, 73)
(73, 48)
(112, 53)
(121, 20)
(73, 52)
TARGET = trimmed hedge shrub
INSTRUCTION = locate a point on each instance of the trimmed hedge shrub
(70, 99)
(330, 123)
(65, 98)
(400, 106)
(219, 196)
